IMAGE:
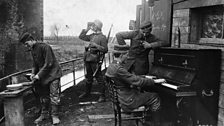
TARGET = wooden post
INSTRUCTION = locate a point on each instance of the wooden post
(14, 111)
(73, 71)
(13, 106)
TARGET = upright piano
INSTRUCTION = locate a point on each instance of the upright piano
(191, 92)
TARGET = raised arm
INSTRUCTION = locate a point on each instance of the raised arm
(121, 36)
(83, 35)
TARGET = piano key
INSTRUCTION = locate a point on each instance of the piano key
(150, 77)
(170, 86)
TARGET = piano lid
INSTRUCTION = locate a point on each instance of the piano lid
(177, 76)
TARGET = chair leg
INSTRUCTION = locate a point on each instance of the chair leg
(136, 122)
(119, 118)
(115, 118)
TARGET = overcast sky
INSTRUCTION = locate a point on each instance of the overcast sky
(76, 13)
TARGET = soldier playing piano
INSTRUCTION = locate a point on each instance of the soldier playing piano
(129, 96)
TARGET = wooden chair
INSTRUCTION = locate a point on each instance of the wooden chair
(138, 114)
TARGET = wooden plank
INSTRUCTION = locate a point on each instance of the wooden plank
(94, 117)
(7, 93)
(106, 116)
(197, 3)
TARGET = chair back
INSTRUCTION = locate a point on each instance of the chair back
(113, 93)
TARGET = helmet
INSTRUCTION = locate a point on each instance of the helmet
(98, 24)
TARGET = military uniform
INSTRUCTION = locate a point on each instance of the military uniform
(129, 96)
(138, 55)
(92, 56)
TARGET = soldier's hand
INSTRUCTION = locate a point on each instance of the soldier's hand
(158, 81)
(31, 76)
(88, 28)
(35, 78)
(93, 44)
(146, 45)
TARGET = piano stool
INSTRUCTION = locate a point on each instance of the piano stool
(138, 114)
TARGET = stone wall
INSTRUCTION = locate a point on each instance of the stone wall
(16, 17)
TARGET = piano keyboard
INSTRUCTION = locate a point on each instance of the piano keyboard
(165, 84)
(170, 86)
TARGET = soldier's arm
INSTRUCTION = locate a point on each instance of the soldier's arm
(156, 42)
(83, 35)
(121, 36)
(133, 79)
(48, 63)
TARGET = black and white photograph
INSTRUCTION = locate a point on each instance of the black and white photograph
(111, 63)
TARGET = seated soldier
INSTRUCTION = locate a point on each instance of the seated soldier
(129, 96)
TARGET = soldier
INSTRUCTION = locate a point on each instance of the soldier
(46, 75)
(142, 41)
(94, 52)
(129, 95)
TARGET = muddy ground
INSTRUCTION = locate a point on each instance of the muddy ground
(74, 114)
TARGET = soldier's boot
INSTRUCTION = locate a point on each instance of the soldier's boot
(41, 118)
(54, 114)
(44, 112)
(101, 82)
(88, 91)
(55, 120)
(102, 97)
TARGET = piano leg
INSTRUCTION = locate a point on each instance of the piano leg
(184, 111)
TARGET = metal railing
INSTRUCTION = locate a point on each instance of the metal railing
(66, 68)
(13, 78)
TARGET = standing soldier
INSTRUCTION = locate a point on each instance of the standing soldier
(94, 52)
(142, 41)
(46, 75)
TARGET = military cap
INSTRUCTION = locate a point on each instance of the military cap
(146, 24)
(25, 37)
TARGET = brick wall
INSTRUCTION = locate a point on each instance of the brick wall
(181, 20)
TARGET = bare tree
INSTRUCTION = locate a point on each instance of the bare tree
(55, 31)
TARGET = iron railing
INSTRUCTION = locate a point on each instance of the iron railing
(12, 78)
(66, 68)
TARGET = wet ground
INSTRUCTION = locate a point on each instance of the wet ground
(72, 113)
(77, 112)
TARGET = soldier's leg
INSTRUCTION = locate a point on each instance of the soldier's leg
(101, 82)
(89, 80)
(43, 92)
(55, 100)
(154, 104)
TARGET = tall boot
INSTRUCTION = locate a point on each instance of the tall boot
(44, 112)
(87, 93)
(54, 114)
(102, 97)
